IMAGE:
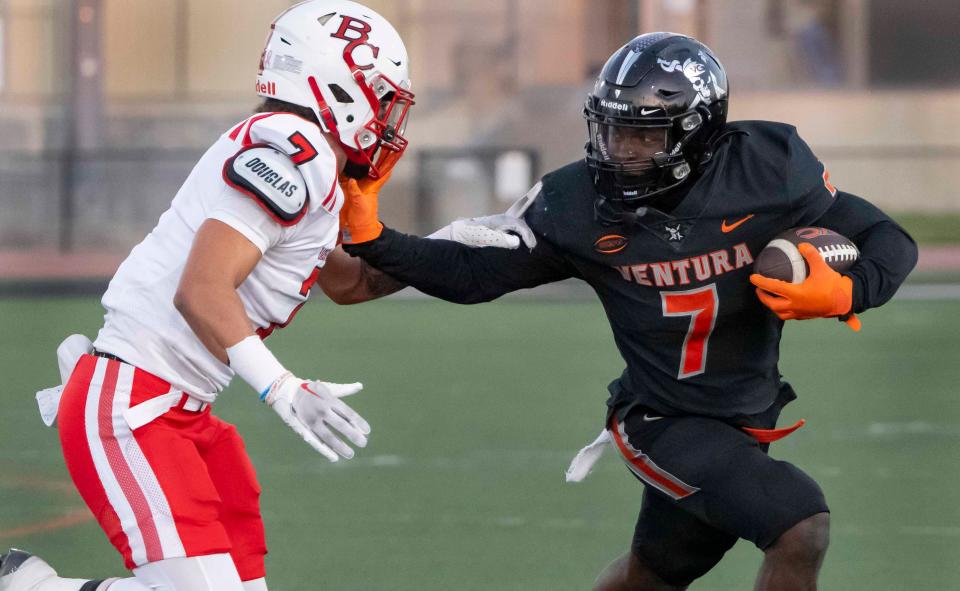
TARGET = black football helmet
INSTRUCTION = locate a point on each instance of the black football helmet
(656, 105)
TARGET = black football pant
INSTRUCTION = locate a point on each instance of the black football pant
(708, 483)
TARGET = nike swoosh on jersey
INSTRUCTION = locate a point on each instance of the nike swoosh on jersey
(730, 228)
(649, 418)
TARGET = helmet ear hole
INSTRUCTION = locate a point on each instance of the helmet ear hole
(691, 121)
(340, 94)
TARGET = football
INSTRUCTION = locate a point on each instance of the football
(780, 259)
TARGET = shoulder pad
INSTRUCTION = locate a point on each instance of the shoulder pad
(272, 179)
(520, 206)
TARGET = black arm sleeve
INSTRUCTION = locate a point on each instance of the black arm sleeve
(459, 273)
(887, 252)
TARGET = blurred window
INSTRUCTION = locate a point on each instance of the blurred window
(914, 43)
(810, 30)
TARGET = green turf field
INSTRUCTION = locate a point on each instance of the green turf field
(476, 412)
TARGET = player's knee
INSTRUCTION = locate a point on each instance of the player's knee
(807, 540)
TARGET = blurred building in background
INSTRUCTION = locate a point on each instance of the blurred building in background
(105, 105)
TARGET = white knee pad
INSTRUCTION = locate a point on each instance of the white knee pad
(202, 573)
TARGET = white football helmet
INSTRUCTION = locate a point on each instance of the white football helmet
(349, 65)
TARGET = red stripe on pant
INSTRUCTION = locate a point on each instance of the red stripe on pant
(199, 463)
(128, 483)
(649, 471)
(78, 458)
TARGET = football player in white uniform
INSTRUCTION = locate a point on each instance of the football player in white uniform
(254, 226)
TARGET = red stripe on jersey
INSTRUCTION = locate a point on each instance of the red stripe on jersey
(265, 331)
(330, 200)
(126, 479)
(649, 471)
(236, 130)
(246, 137)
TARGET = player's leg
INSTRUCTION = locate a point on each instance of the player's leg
(629, 573)
(214, 572)
(148, 488)
(21, 571)
(201, 573)
(721, 477)
(671, 548)
(255, 585)
(233, 475)
(793, 561)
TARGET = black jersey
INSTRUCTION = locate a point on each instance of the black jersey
(675, 288)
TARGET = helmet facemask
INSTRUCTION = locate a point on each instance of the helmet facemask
(388, 125)
(382, 135)
(636, 160)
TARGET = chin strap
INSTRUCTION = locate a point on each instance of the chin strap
(713, 143)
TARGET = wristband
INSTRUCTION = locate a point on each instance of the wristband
(254, 363)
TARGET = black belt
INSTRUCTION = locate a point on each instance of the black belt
(106, 355)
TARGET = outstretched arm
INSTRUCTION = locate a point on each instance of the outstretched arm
(459, 273)
(348, 280)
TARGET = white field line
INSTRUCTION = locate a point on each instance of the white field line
(929, 291)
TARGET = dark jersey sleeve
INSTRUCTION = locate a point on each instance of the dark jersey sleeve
(808, 188)
(459, 273)
(887, 252)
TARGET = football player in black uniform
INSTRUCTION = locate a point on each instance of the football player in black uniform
(663, 219)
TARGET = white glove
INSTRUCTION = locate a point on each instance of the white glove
(504, 230)
(311, 408)
(499, 231)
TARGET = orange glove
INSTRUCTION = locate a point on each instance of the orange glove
(824, 294)
(358, 216)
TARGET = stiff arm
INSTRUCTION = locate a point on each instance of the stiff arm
(348, 280)
(461, 274)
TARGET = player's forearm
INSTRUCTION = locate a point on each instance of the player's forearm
(216, 315)
(348, 280)
(887, 252)
(888, 255)
(440, 268)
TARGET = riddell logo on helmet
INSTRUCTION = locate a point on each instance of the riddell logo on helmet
(266, 87)
(612, 105)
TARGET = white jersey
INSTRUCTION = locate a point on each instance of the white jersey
(143, 327)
